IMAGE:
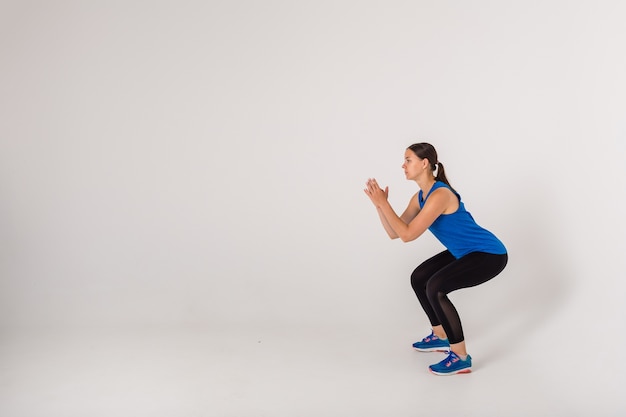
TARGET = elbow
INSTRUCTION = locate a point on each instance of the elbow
(408, 237)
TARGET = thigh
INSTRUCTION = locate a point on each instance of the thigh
(431, 266)
(470, 270)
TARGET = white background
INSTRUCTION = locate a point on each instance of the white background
(201, 165)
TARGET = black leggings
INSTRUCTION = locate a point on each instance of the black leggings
(438, 276)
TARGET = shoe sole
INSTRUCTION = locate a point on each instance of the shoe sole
(444, 350)
(462, 371)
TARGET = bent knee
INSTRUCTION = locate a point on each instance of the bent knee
(419, 280)
(434, 292)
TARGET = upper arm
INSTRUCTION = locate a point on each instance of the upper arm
(438, 202)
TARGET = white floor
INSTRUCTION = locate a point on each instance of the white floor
(280, 372)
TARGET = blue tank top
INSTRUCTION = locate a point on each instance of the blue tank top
(459, 232)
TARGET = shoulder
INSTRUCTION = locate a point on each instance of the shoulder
(440, 185)
(445, 198)
(443, 192)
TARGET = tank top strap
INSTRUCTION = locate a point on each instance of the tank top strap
(436, 185)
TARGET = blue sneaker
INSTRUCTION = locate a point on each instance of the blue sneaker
(452, 365)
(432, 343)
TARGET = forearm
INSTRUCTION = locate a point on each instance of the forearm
(393, 222)
(392, 234)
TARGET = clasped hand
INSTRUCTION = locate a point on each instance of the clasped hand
(375, 193)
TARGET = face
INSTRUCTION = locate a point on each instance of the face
(413, 165)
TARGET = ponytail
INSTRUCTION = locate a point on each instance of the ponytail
(425, 150)
(441, 175)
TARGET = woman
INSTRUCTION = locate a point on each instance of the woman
(473, 255)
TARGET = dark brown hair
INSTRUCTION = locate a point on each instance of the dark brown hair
(427, 151)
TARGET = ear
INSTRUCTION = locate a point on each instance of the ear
(425, 163)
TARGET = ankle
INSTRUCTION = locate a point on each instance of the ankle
(440, 332)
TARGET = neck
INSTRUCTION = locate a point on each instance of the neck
(425, 184)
